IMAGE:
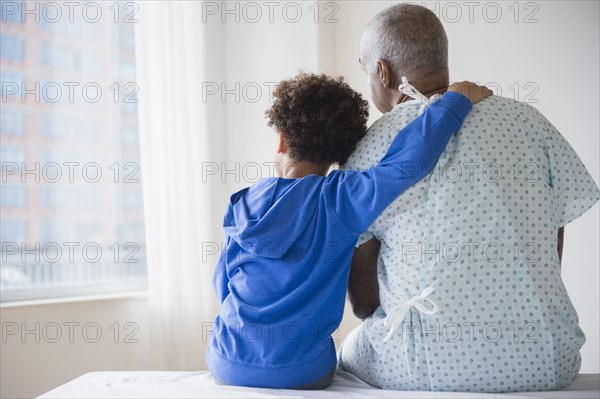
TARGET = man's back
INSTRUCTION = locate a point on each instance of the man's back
(481, 230)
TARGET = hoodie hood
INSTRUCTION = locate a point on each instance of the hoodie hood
(266, 221)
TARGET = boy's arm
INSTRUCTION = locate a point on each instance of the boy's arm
(359, 197)
(220, 278)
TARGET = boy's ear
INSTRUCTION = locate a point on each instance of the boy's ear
(282, 146)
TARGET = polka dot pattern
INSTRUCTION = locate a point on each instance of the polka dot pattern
(481, 229)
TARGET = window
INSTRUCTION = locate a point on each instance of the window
(81, 27)
(126, 39)
(131, 232)
(128, 135)
(12, 48)
(130, 199)
(10, 84)
(13, 196)
(92, 65)
(79, 129)
(59, 57)
(12, 122)
(11, 157)
(58, 232)
(13, 230)
(9, 12)
(71, 199)
(126, 70)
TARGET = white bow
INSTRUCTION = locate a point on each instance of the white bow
(397, 314)
(411, 91)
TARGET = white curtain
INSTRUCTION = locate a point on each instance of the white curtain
(177, 134)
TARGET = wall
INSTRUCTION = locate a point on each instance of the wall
(66, 340)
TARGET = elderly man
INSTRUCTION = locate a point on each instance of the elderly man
(458, 281)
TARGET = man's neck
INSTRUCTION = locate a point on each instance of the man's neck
(429, 85)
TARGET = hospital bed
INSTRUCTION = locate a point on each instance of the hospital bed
(168, 384)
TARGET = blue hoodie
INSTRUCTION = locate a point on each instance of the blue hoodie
(282, 276)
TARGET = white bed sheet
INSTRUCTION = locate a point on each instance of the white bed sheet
(166, 384)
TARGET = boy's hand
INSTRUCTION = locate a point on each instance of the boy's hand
(472, 91)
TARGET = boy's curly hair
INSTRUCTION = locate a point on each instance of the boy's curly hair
(321, 117)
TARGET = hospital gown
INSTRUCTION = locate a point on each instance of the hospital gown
(481, 230)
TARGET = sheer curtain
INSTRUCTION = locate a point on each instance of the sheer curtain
(180, 209)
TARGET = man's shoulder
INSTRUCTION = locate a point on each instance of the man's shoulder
(371, 148)
(401, 114)
(505, 106)
(495, 111)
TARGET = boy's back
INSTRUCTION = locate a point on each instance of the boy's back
(284, 263)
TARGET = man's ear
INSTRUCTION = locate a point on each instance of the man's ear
(385, 73)
(282, 146)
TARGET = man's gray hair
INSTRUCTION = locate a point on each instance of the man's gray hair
(410, 38)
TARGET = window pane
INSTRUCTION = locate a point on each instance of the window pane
(71, 199)
(11, 157)
(12, 121)
(12, 48)
(13, 196)
(13, 230)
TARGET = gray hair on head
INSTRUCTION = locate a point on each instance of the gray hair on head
(409, 38)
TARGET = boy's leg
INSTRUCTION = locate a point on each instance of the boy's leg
(321, 383)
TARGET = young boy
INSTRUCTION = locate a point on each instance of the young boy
(282, 278)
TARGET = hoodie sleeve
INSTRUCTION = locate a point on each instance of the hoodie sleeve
(358, 198)
(220, 278)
